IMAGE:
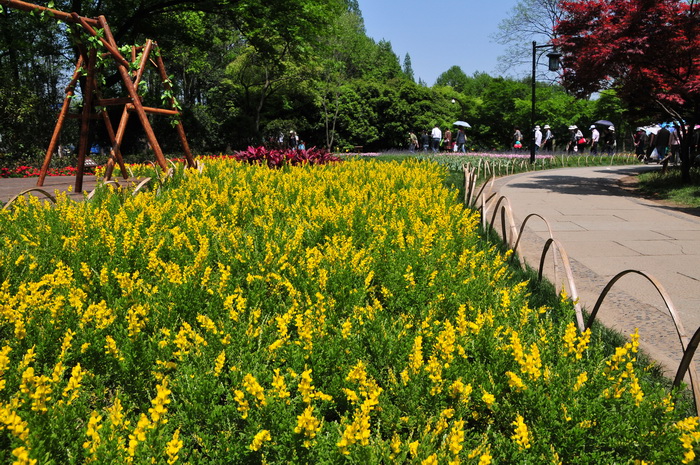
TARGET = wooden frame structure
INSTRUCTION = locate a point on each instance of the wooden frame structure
(94, 106)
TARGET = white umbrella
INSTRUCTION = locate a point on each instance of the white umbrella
(462, 123)
(652, 129)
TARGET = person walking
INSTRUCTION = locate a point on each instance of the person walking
(425, 140)
(448, 140)
(517, 139)
(575, 136)
(548, 139)
(293, 140)
(538, 138)
(609, 141)
(436, 135)
(640, 143)
(461, 140)
(675, 143)
(661, 143)
(595, 137)
(412, 142)
(580, 141)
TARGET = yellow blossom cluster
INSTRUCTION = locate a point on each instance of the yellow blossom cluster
(317, 314)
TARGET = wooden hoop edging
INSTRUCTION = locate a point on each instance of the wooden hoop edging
(520, 235)
(687, 362)
(484, 208)
(481, 190)
(34, 189)
(110, 182)
(569, 276)
(680, 329)
(505, 210)
(141, 185)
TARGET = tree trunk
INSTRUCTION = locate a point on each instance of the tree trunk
(686, 144)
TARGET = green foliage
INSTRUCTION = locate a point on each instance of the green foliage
(455, 78)
(352, 311)
(244, 72)
(670, 186)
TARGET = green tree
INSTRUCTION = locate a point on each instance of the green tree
(407, 68)
(529, 20)
(455, 78)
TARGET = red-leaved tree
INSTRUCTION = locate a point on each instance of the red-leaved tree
(648, 50)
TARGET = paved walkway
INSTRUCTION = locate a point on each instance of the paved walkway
(10, 187)
(604, 230)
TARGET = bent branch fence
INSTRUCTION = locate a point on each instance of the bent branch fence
(488, 203)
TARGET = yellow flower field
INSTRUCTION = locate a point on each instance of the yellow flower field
(346, 313)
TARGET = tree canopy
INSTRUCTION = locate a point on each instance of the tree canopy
(646, 51)
(250, 72)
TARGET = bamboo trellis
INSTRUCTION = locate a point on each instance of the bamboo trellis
(94, 106)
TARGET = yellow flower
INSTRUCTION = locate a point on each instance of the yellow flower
(308, 425)
(580, 381)
(488, 399)
(139, 434)
(173, 447)
(485, 458)
(159, 403)
(93, 433)
(243, 405)
(521, 435)
(22, 454)
(456, 437)
(111, 348)
(71, 390)
(515, 382)
(259, 439)
(219, 363)
(279, 384)
(395, 446)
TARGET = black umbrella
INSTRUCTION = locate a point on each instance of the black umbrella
(603, 122)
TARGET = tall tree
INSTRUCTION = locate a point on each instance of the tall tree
(455, 78)
(529, 20)
(407, 68)
(646, 50)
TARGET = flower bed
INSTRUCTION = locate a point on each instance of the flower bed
(31, 172)
(339, 313)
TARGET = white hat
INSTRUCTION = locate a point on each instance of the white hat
(592, 126)
(537, 128)
(573, 127)
(546, 126)
(612, 128)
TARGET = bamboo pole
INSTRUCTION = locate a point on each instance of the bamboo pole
(180, 129)
(30, 7)
(136, 101)
(70, 91)
(124, 120)
(85, 123)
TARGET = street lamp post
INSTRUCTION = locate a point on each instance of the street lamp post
(554, 57)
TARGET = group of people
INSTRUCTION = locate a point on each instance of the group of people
(599, 142)
(292, 142)
(437, 140)
(662, 146)
(602, 141)
(543, 140)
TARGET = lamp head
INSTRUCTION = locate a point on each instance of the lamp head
(554, 60)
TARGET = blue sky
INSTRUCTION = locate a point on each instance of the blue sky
(439, 34)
